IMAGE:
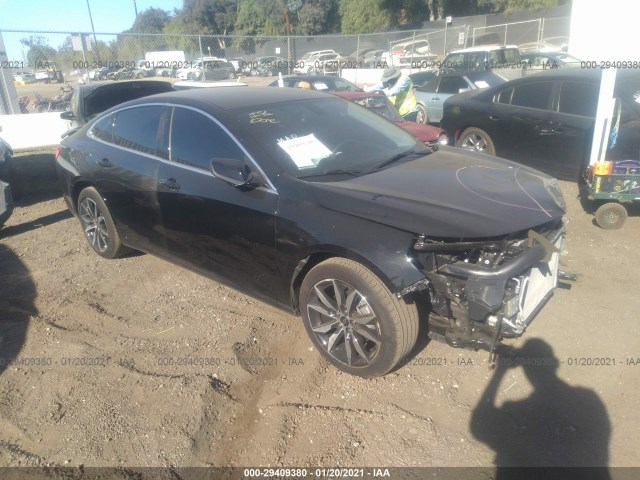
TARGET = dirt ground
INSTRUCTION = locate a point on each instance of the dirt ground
(136, 362)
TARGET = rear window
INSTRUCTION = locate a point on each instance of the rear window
(103, 98)
(532, 95)
(578, 98)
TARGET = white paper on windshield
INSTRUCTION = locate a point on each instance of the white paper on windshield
(320, 86)
(481, 84)
(305, 151)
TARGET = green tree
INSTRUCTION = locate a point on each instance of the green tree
(151, 20)
(513, 6)
(316, 17)
(39, 52)
(365, 16)
(258, 17)
(210, 17)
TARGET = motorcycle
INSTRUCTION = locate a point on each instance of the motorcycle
(60, 103)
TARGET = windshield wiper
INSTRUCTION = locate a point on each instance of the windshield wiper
(337, 171)
(395, 158)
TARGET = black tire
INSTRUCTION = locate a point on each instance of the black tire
(139, 75)
(422, 116)
(231, 76)
(367, 331)
(103, 237)
(476, 140)
(611, 216)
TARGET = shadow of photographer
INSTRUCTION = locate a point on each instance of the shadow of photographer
(556, 426)
(17, 296)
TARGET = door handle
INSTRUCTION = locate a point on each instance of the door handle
(435, 98)
(494, 117)
(105, 162)
(169, 183)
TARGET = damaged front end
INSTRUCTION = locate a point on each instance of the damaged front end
(487, 289)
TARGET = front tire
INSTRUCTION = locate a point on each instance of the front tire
(476, 140)
(98, 226)
(354, 320)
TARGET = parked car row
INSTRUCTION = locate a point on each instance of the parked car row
(545, 121)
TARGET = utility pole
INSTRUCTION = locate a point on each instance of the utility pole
(95, 40)
(135, 7)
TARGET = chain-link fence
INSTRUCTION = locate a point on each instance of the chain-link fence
(49, 56)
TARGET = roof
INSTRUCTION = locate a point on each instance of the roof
(230, 98)
(352, 95)
(484, 48)
(90, 87)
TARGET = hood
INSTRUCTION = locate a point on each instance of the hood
(424, 133)
(449, 193)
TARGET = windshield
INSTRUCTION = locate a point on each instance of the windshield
(379, 104)
(317, 136)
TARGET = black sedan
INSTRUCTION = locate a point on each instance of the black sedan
(545, 120)
(316, 205)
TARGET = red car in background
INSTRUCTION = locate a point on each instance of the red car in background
(380, 104)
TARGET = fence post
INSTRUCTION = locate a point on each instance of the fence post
(357, 48)
(201, 57)
(413, 46)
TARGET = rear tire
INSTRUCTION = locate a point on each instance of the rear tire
(354, 320)
(476, 140)
(422, 116)
(98, 226)
(611, 216)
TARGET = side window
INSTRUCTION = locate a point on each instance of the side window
(431, 85)
(138, 128)
(452, 85)
(578, 98)
(494, 59)
(504, 96)
(196, 139)
(532, 95)
(103, 129)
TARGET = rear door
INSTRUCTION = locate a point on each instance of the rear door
(569, 129)
(517, 122)
(211, 226)
(447, 87)
(125, 168)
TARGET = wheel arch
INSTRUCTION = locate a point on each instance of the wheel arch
(396, 282)
(75, 192)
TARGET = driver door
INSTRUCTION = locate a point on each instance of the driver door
(225, 232)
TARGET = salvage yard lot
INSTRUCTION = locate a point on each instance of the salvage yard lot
(135, 362)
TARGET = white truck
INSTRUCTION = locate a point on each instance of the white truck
(162, 63)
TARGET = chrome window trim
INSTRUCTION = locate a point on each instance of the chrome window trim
(269, 188)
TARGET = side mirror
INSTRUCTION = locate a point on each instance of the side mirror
(233, 171)
(68, 115)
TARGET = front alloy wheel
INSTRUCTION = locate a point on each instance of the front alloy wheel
(354, 320)
(476, 140)
(344, 322)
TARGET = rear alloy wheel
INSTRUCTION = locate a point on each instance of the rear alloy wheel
(231, 76)
(98, 225)
(476, 140)
(611, 216)
(422, 116)
(354, 320)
